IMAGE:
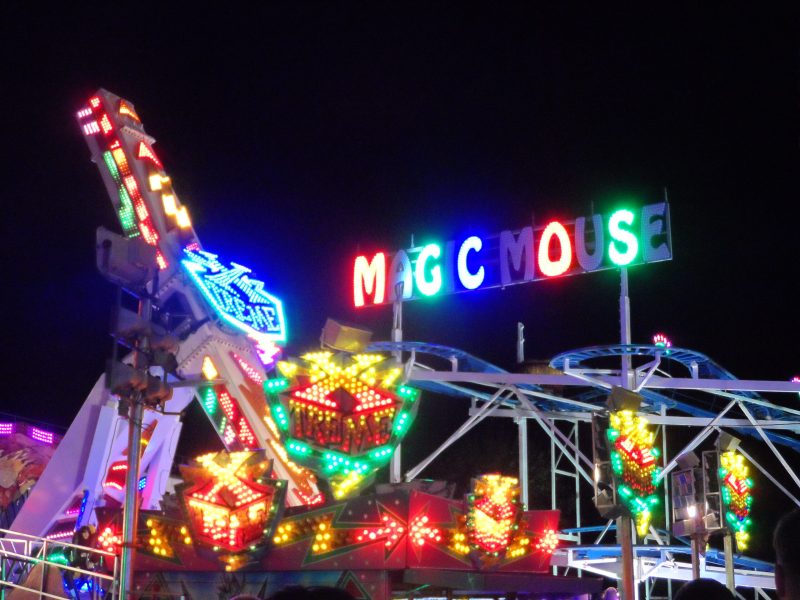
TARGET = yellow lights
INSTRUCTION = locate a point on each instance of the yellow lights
(170, 204)
(159, 182)
(391, 377)
(209, 370)
(733, 461)
(161, 535)
(493, 512)
(323, 538)
(344, 486)
(287, 369)
(459, 543)
(284, 534)
(633, 427)
(182, 218)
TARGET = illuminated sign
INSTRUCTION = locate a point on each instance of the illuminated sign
(626, 237)
(238, 298)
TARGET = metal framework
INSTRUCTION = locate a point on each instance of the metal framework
(708, 397)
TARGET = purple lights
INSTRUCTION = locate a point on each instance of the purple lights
(40, 435)
(7, 429)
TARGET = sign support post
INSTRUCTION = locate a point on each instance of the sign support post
(624, 523)
(396, 465)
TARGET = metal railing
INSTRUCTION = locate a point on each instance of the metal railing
(21, 553)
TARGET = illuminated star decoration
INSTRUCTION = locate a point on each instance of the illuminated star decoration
(494, 511)
(736, 486)
(633, 459)
(240, 300)
(231, 502)
(341, 415)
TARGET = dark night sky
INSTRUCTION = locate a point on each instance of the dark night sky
(297, 134)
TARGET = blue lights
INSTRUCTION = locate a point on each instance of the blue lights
(239, 300)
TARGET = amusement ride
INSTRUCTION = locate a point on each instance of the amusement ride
(292, 498)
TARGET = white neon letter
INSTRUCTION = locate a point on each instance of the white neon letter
(467, 279)
(369, 277)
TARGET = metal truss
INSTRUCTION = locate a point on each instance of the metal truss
(708, 397)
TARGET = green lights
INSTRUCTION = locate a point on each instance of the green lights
(298, 448)
(408, 393)
(273, 386)
(209, 400)
(623, 237)
(432, 285)
(281, 418)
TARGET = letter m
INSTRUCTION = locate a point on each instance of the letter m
(516, 254)
(369, 278)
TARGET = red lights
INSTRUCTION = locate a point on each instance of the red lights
(146, 152)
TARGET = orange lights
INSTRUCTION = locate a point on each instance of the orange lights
(126, 109)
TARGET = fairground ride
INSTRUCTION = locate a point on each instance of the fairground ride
(303, 438)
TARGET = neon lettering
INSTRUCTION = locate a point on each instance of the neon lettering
(369, 277)
(623, 236)
(549, 267)
(428, 287)
(468, 279)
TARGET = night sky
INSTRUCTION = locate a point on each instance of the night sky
(300, 135)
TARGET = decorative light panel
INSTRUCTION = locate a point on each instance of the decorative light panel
(110, 540)
(232, 503)
(342, 414)
(223, 411)
(238, 298)
(634, 460)
(662, 341)
(494, 511)
(145, 202)
(736, 487)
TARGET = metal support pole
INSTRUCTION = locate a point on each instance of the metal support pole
(522, 430)
(624, 523)
(625, 537)
(131, 506)
(696, 541)
(396, 464)
(729, 576)
(625, 327)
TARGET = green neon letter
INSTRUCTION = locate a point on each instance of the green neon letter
(428, 287)
(623, 236)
